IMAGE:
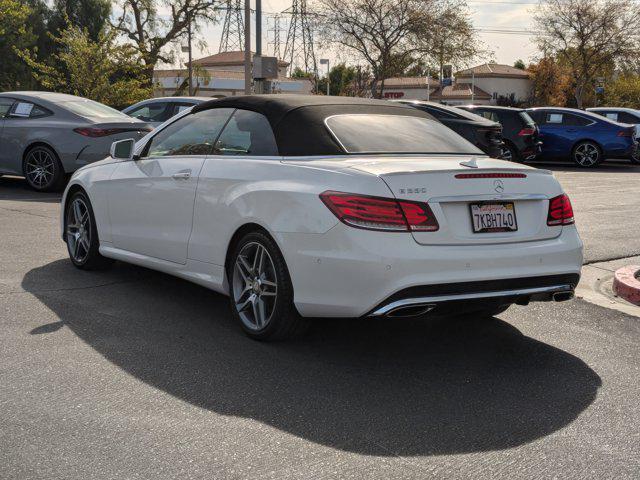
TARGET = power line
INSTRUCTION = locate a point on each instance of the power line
(299, 46)
(232, 38)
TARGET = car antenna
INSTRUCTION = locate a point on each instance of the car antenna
(473, 163)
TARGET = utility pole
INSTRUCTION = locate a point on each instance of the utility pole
(473, 85)
(190, 55)
(325, 61)
(259, 83)
(247, 47)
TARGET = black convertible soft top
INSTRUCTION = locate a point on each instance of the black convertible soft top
(298, 120)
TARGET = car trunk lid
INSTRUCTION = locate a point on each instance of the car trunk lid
(452, 184)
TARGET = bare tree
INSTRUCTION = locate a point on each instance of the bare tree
(379, 31)
(449, 38)
(151, 32)
(588, 36)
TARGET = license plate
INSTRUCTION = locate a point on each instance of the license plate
(493, 217)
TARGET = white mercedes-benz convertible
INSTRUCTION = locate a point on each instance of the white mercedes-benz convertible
(311, 206)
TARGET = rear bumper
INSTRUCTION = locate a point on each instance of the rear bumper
(348, 272)
(456, 297)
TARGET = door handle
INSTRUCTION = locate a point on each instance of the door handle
(181, 175)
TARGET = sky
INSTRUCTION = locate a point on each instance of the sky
(501, 24)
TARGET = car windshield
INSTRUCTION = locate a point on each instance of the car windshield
(89, 108)
(380, 133)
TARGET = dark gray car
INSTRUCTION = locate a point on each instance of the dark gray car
(44, 136)
(158, 110)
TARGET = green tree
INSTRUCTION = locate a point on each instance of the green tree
(104, 70)
(623, 91)
(449, 37)
(551, 83)
(141, 23)
(92, 15)
(341, 78)
(14, 33)
(519, 64)
(589, 37)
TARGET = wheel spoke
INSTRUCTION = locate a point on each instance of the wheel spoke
(76, 250)
(243, 268)
(258, 313)
(257, 260)
(242, 305)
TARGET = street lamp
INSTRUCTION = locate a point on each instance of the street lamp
(322, 62)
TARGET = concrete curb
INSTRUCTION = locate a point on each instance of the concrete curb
(626, 284)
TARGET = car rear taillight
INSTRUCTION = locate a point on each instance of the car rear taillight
(525, 132)
(379, 213)
(560, 211)
(627, 132)
(103, 132)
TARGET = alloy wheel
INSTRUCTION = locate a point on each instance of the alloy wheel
(40, 167)
(586, 154)
(254, 286)
(78, 230)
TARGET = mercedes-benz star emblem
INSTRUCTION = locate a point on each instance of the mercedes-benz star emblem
(498, 186)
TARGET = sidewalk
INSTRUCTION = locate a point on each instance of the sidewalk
(596, 285)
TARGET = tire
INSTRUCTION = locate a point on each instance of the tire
(509, 153)
(261, 292)
(635, 158)
(42, 169)
(81, 236)
(587, 154)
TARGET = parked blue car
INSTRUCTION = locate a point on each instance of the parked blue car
(584, 137)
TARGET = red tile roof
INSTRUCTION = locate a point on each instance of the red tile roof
(493, 70)
(410, 82)
(460, 91)
(228, 58)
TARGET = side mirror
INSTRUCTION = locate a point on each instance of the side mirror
(123, 149)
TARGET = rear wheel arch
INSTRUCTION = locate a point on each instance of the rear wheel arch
(40, 143)
(240, 232)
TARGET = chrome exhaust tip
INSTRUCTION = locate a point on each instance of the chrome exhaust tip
(415, 310)
(562, 296)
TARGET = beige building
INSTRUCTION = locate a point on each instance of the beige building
(498, 81)
(409, 88)
(490, 81)
(222, 75)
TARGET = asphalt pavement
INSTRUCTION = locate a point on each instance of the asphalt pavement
(131, 373)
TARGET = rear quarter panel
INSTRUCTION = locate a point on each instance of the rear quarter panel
(280, 197)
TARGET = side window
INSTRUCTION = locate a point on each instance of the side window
(625, 117)
(554, 118)
(489, 115)
(247, 133)
(5, 106)
(537, 116)
(576, 120)
(190, 135)
(180, 107)
(28, 110)
(439, 114)
(610, 115)
(152, 112)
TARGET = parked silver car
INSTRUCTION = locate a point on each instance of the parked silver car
(157, 110)
(44, 136)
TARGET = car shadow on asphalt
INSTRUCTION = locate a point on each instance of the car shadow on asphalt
(375, 387)
(15, 188)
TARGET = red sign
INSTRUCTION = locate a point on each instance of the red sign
(393, 94)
